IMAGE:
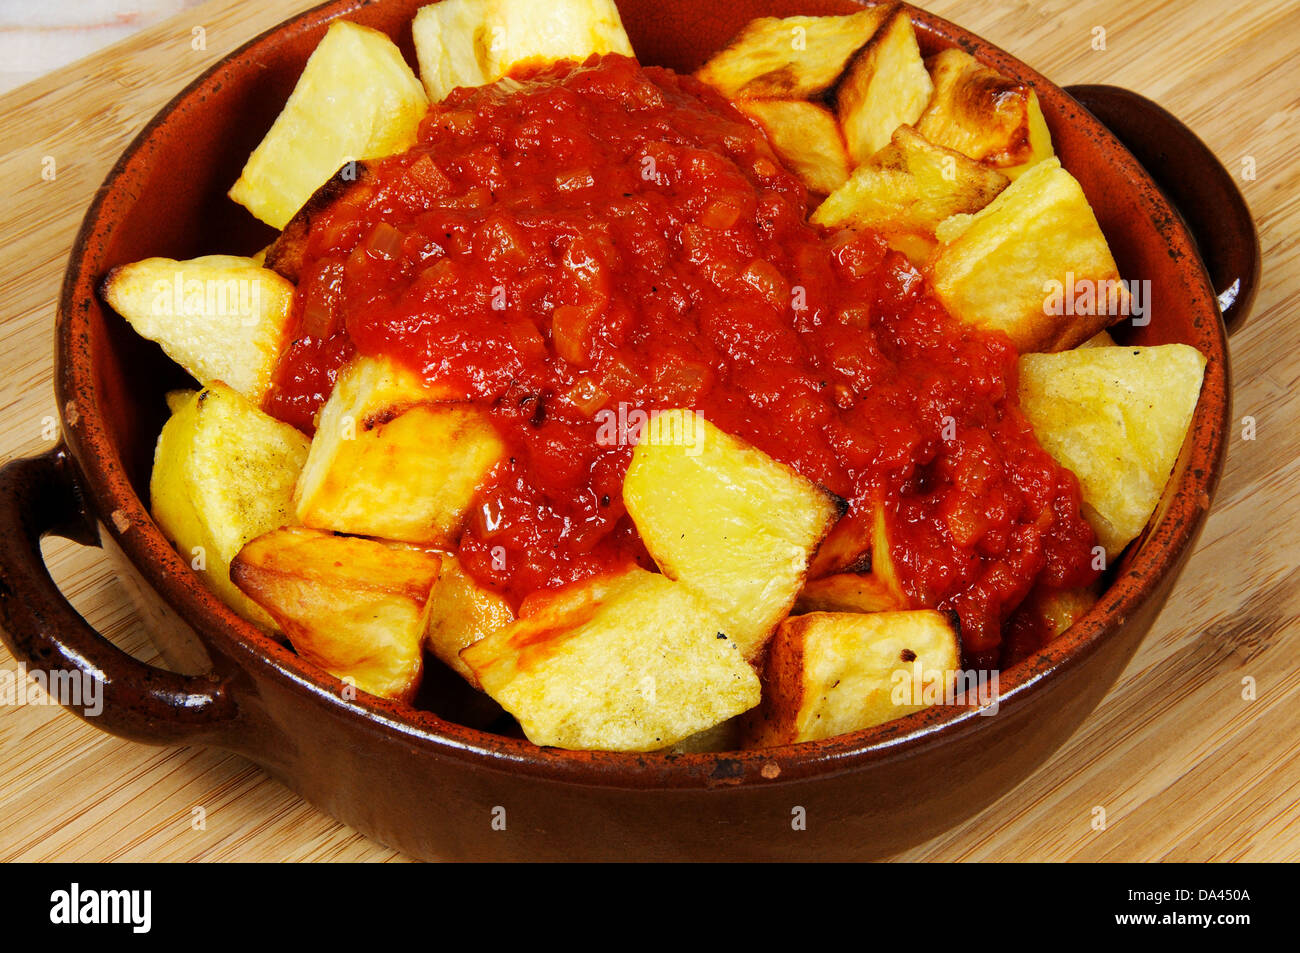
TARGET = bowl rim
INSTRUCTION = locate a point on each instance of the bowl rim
(107, 487)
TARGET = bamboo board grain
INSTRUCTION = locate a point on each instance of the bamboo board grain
(1183, 766)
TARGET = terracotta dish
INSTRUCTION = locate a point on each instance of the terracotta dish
(432, 787)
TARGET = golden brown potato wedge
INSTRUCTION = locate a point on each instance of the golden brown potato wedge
(460, 613)
(884, 571)
(635, 662)
(1061, 608)
(220, 317)
(886, 86)
(849, 592)
(355, 607)
(223, 474)
(356, 99)
(790, 58)
(998, 270)
(1116, 417)
(919, 247)
(807, 139)
(846, 548)
(831, 673)
(1100, 339)
(983, 114)
(728, 521)
(393, 459)
(860, 546)
(352, 183)
(475, 42)
(907, 189)
(1046, 614)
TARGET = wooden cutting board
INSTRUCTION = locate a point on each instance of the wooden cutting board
(1183, 765)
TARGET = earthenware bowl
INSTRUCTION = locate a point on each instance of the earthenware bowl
(438, 789)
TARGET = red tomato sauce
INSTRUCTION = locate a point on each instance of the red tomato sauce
(576, 240)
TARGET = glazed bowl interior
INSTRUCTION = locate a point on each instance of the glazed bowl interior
(167, 197)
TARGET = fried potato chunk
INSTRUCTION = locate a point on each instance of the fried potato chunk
(1046, 614)
(475, 42)
(633, 662)
(846, 548)
(806, 137)
(460, 613)
(907, 189)
(1100, 339)
(355, 607)
(1116, 417)
(393, 458)
(356, 99)
(220, 317)
(849, 592)
(1059, 609)
(853, 570)
(983, 114)
(223, 473)
(790, 58)
(351, 188)
(999, 270)
(883, 568)
(885, 87)
(830, 673)
(725, 519)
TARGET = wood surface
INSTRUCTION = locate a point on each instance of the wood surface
(1184, 767)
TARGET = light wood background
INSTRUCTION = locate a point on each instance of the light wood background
(1184, 767)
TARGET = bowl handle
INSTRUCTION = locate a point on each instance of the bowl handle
(40, 496)
(1197, 185)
